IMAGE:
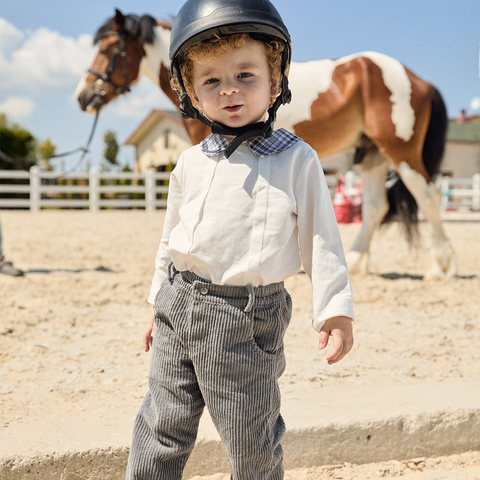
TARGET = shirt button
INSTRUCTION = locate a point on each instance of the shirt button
(204, 291)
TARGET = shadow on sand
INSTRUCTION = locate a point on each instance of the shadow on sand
(73, 270)
(399, 276)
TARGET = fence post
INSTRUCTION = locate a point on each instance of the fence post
(150, 189)
(35, 188)
(93, 190)
(445, 193)
(476, 192)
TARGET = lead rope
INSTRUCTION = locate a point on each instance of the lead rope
(84, 150)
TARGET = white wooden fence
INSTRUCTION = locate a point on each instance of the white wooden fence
(95, 190)
(460, 193)
(92, 190)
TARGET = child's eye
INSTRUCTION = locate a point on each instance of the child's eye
(245, 75)
(211, 80)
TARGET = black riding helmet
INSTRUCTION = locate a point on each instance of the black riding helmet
(200, 20)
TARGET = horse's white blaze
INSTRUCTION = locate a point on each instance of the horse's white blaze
(309, 79)
(81, 85)
(156, 54)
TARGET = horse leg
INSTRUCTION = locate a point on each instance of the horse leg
(428, 198)
(373, 171)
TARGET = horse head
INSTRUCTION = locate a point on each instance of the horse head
(121, 47)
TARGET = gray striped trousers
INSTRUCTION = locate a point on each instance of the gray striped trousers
(220, 347)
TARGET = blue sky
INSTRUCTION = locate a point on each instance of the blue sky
(45, 46)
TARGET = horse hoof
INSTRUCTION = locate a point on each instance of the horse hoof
(430, 277)
(452, 269)
(437, 273)
(357, 263)
(445, 264)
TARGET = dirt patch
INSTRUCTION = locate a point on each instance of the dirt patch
(70, 330)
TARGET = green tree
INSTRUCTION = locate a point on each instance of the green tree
(111, 148)
(46, 150)
(16, 143)
(126, 167)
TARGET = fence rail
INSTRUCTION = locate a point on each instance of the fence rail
(95, 190)
(460, 193)
(91, 190)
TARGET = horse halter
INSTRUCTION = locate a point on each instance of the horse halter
(120, 53)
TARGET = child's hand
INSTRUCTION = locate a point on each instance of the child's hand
(341, 331)
(148, 332)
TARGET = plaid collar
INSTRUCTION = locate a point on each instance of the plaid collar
(280, 140)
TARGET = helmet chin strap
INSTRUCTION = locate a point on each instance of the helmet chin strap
(260, 129)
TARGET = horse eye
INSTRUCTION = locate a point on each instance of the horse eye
(104, 51)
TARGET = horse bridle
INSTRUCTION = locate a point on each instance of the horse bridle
(120, 53)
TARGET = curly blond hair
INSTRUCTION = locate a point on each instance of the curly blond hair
(202, 52)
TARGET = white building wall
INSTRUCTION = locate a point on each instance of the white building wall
(461, 160)
(155, 150)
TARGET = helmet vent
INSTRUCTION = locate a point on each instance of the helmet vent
(224, 12)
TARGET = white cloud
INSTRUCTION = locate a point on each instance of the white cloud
(475, 103)
(43, 59)
(18, 108)
(10, 37)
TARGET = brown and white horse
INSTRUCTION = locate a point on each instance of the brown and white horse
(368, 101)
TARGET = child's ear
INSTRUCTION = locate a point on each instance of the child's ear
(195, 100)
(274, 88)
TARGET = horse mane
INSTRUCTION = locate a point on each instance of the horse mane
(137, 27)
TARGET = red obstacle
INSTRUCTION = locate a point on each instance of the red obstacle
(342, 205)
(357, 202)
(347, 207)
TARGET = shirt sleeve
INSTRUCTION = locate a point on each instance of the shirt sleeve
(321, 246)
(172, 218)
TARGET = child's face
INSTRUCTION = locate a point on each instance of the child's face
(235, 88)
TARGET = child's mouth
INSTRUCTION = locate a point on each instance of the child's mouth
(233, 108)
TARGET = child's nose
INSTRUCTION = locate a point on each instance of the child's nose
(229, 87)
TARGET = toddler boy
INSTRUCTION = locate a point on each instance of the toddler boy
(246, 208)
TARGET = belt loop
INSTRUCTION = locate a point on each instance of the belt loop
(171, 272)
(251, 298)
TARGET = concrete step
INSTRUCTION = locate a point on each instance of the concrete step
(324, 426)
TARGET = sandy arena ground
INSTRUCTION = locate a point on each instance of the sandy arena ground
(70, 330)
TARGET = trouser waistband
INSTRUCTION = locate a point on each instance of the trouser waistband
(230, 291)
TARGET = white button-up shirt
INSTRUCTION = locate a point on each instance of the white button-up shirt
(254, 219)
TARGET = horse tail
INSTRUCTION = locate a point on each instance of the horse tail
(434, 146)
(402, 205)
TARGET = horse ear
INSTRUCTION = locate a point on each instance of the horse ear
(118, 20)
(147, 34)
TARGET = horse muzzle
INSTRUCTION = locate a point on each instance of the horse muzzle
(91, 99)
